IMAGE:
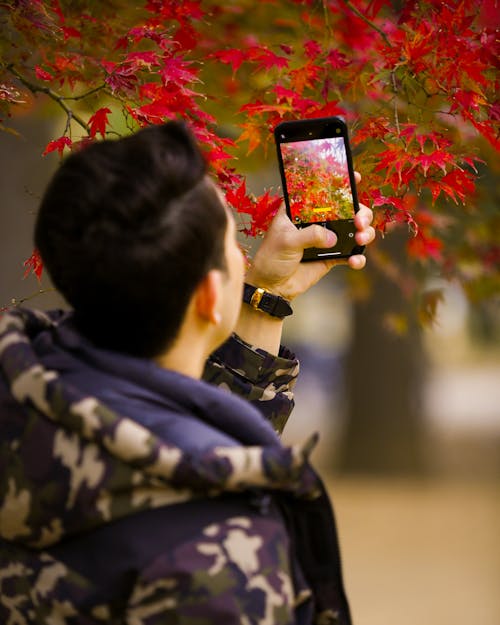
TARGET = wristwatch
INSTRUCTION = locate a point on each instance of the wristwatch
(266, 302)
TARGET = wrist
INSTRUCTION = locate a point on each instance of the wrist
(266, 302)
(259, 329)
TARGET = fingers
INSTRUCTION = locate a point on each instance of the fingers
(357, 262)
(365, 232)
(300, 238)
(287, 237)
(279, 220)
(366, 236)
(363, 218)
(316, 236)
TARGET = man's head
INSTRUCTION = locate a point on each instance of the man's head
(127, 229)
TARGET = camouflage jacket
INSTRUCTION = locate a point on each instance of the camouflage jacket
(134, 495)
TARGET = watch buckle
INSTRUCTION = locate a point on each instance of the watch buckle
(256, 298)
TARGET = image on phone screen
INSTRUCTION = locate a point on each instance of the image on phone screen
(317, 180)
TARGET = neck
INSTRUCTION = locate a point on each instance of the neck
(191, 348)
(199, 335)
(187, 358)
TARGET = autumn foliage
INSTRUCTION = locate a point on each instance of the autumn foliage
(415, 81)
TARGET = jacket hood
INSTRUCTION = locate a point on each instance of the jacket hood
(69, 463)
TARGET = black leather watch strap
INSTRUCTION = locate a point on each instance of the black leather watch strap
(262, 300)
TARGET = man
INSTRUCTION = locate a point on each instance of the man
(131, 490)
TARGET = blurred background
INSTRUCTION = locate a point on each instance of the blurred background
(416, 489)
(409, 418)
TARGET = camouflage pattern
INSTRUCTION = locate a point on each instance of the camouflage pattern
(238, 570)
(225, 553)
(102, 467)
(265, 380)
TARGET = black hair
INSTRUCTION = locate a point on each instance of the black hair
(127, 229)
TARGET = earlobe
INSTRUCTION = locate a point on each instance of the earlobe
(207, 297)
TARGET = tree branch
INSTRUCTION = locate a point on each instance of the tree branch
(34, 88)
(367, 21)
(395, 89)
(84, 95)
(14, 302)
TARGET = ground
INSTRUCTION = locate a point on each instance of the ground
(420, 552)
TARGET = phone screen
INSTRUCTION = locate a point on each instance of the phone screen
(317, 180)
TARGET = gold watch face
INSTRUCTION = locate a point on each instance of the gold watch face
(257, 297)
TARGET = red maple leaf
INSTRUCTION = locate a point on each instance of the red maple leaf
(286, 48)
(328, 109)
(232, 56)
(57, 144)
(239, 199)
(41, 74)
(145, 59)
(467, 100)
(119, 77)
(305, 76)
(438, 158)
(186, 36)
(400, 212)
(217, 154)
(99, 121)
(65, 63)
(262, 209)
(457, 184)
(312, 49)
(147, 31)
(423, 246)
(266, 59)
(34, 264)
(265, 208)
(69, 31)
(258, 107)
(391, 159)
(336, 59)
(488, 130)
(176, 71)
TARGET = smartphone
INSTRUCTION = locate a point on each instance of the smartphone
(318, 181)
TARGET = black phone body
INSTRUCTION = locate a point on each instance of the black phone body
(318, 181)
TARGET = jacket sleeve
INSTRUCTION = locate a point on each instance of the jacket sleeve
(265, 380)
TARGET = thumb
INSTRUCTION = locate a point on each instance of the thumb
(316, 236)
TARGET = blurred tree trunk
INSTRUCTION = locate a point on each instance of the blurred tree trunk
(384, 429)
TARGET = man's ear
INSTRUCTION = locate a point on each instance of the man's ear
(207, 297)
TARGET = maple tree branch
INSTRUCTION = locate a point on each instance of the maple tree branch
(84, 95)
(67, 128)
(395, 89)
(431, 110)
(326, 17)
(357, 12)
(17, 302)
(34, 88)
